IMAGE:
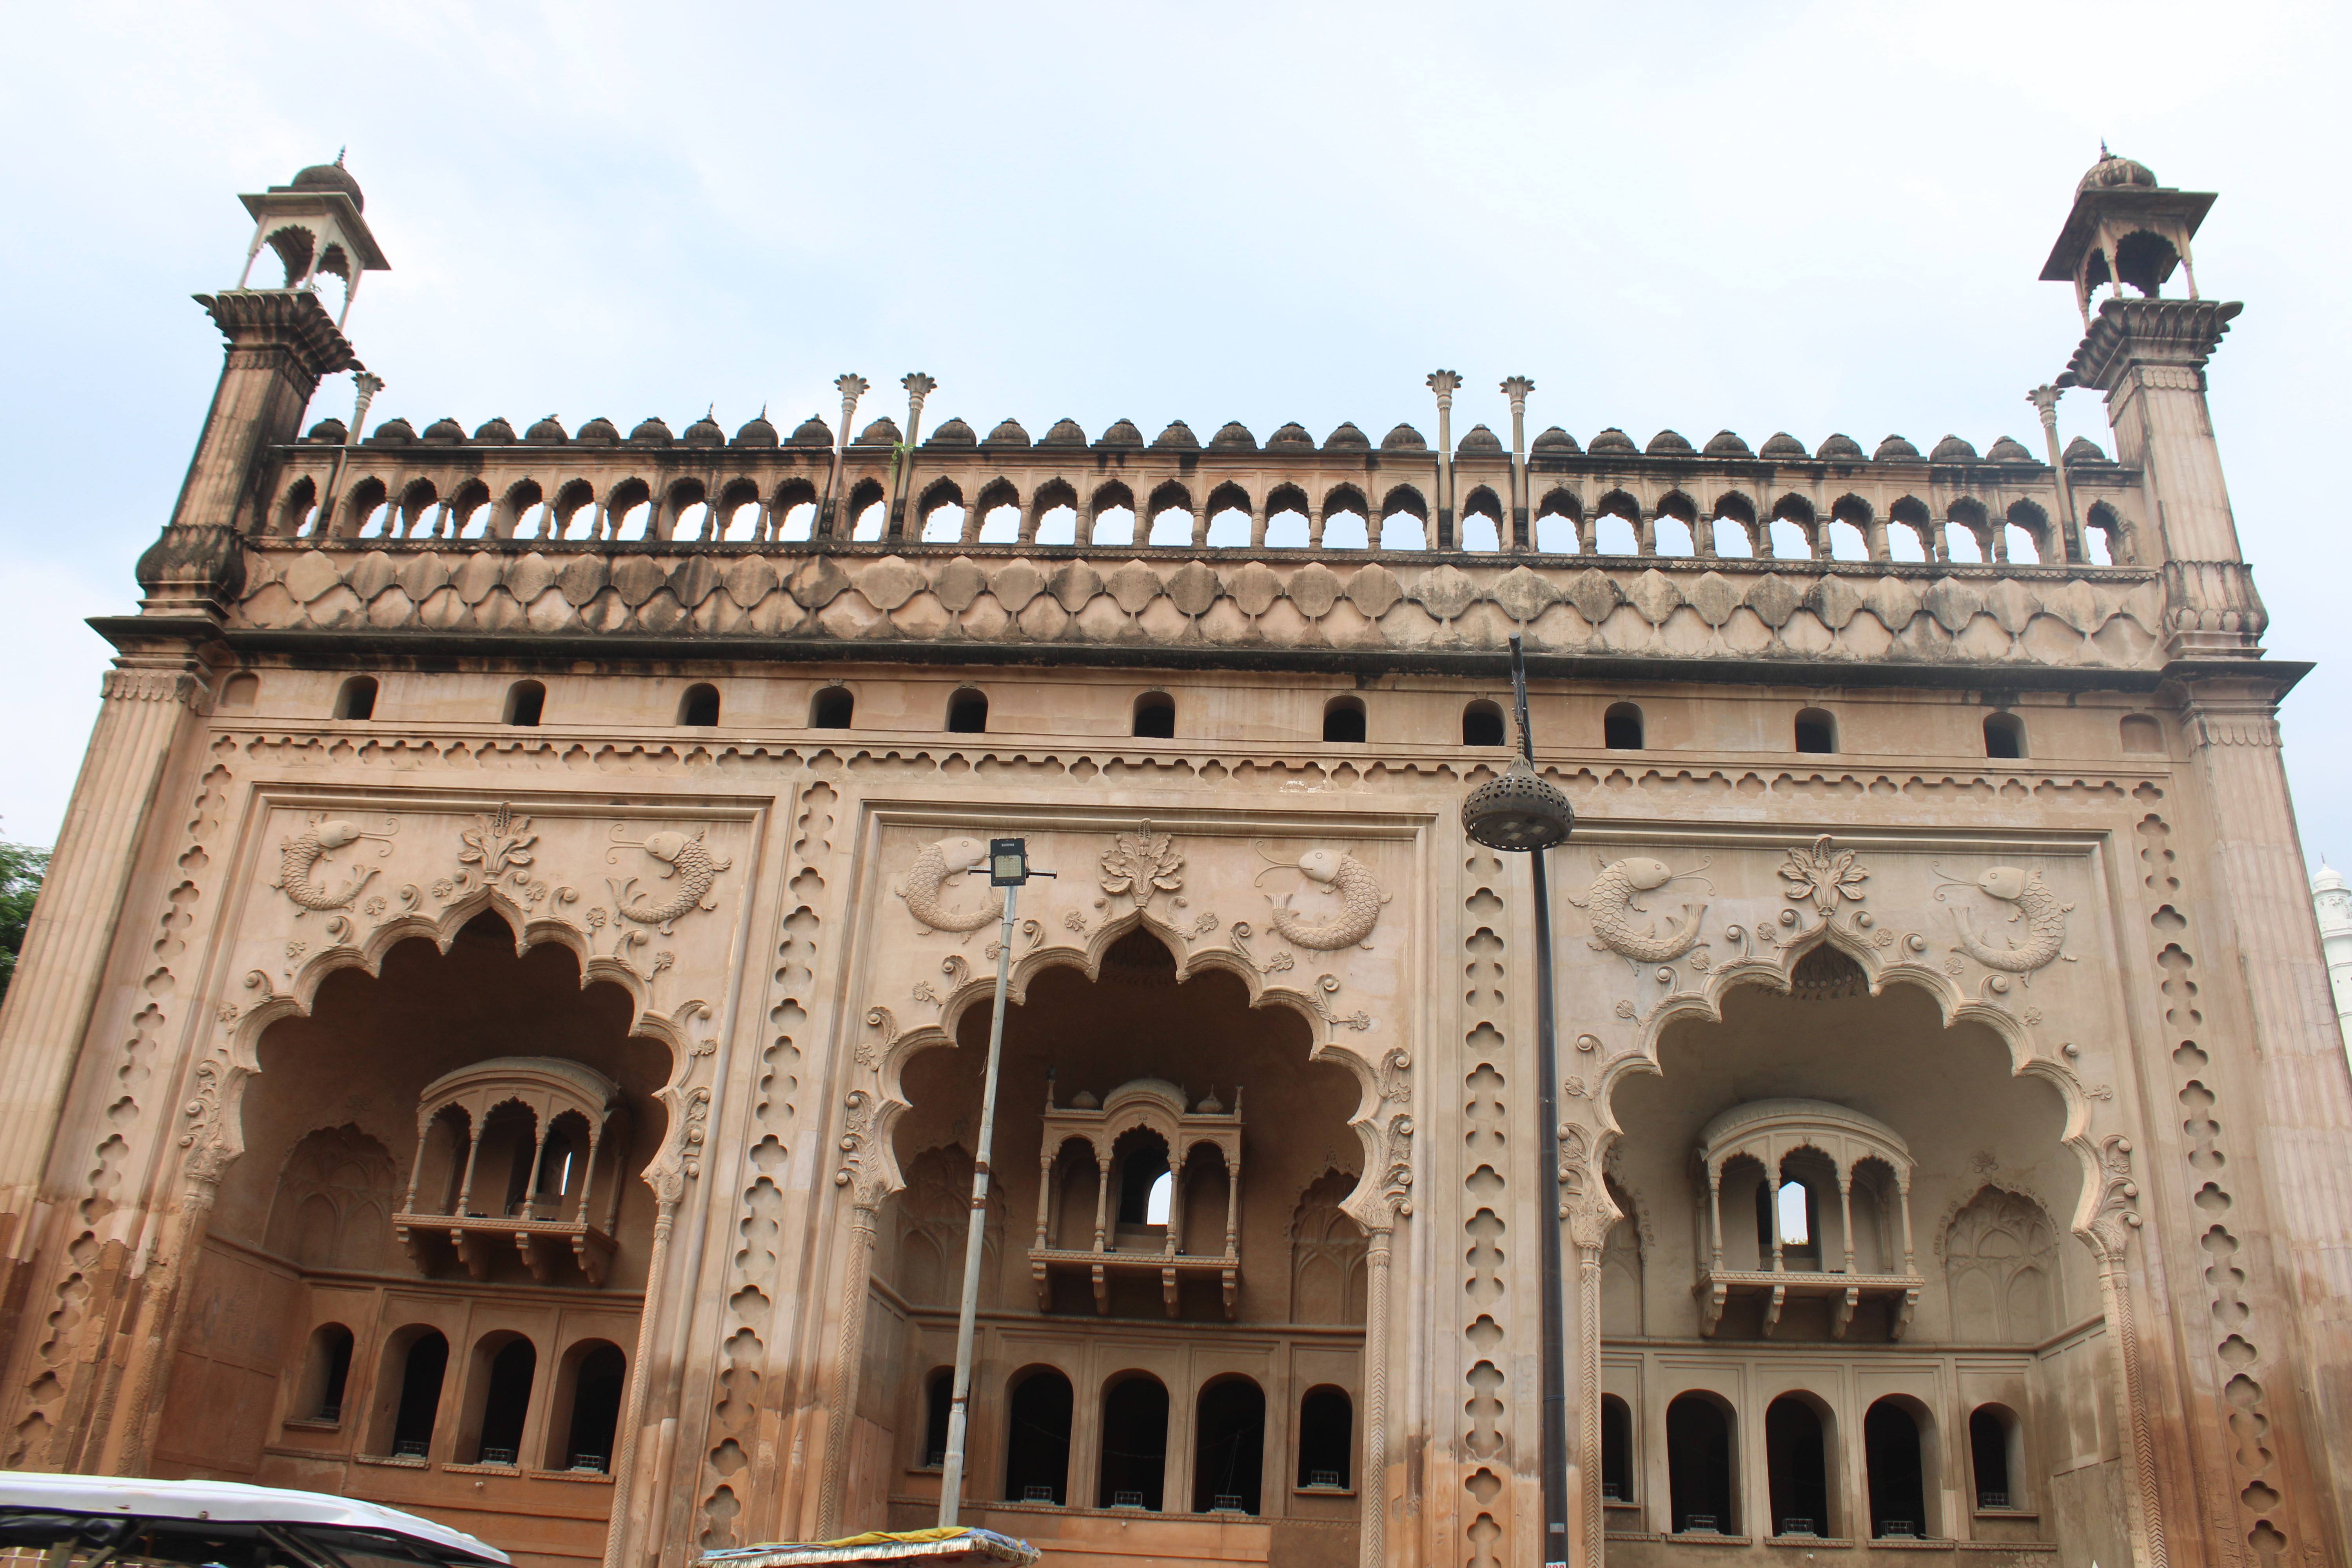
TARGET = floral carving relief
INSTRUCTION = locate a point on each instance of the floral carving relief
(1824, 878)
(1142, 866)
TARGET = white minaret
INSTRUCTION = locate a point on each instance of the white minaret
(2333, 900)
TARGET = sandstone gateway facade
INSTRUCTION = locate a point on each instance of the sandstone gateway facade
(501, 1035)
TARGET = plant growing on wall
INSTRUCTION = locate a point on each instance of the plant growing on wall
(21, 868)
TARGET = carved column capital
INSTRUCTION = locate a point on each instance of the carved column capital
(1516, 388)
(1445, 384)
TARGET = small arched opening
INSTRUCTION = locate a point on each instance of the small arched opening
(326, 1371)
(356, 699)
(2142, 736)
(526, 701)
(1797, 1460)
(968, 712)
(1326, 1439)
(832, 708)
(1816, 731)
(415, 1359)
(1343, 719)
(240, 692)
(938, 1401)
(697, 707)
(1620, 727)
(500, 1398)
(1482, 723)
(1616, 1450)
(586, 1412)
(1699, 1465)
(1228, 1446)
(1037, 1438)
(1994, 1460)
(1134, 1443)
(1896, 1453)
(2004, 736)
(1155, 716)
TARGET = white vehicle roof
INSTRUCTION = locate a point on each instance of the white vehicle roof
(230, 1502)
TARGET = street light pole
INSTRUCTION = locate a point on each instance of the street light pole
(1524, 813)
(1008, 868)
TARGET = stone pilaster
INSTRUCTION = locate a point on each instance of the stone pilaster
(2304, 1132)
(281, 343)
(2147, 357)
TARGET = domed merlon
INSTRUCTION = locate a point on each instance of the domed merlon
(1065, 433)
(329, 177)
(599, 432)
(494, 431)
(1841, 448)
(1783, 445)
(1895, 449)
(954, 433)
(882, 432)
(1952, 449)
(1480, 439)
(756, 432)
(393, 432)
(1556, 440)
(1348, 438)
(1725, 445)
(444, 430)
(1122, 434)
(547, 431)
(328, 431)
(1668, 443)
(2008, 450)
(1233, 437)
(1403, 439)
(1291, 437)
(1008, 433)
(652, 432)
(812, 431)
(1612, 440)
(2081, 449)
(704, 432)
(1177, 437)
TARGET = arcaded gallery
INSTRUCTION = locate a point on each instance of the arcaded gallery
(504, 1032)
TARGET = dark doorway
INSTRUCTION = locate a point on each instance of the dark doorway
(1698, 1465)
(1134, 1444)
(1899, 1499)
(1155, 716)
(1343, 718)
(1798, 1461)
(596, 1391)
(1989, 1452)
(1481, 724)
(1037, 1439)
(507, 1402)
(1326, 1438)
(329, 1370)
(1620, 728)
(1142, 1165)
(1228, 1446)
(1616, 1450)
(938, 1403)
(420, 1396)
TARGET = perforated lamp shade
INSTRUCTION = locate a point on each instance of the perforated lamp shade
(1519, 812)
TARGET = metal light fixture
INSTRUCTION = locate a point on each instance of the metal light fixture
(1523, 813)
(1008, 862)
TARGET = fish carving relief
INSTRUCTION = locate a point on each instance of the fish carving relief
(299, 857)
(2037, 907)
(1621, 926)
(934, 863)
(687, 859)
(1359, 893)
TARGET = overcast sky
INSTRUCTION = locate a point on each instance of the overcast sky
(1809, 217)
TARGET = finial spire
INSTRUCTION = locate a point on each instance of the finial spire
(2104, 154)
(339, 154)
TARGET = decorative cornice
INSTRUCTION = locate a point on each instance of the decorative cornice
(2129, 334)
(289, 319)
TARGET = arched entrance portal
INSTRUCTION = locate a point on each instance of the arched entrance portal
(1165, 1240)
(396, 1140)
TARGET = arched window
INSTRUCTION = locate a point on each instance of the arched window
(2004, 736)
(1228, 1446)
(415, 1359)
(357, 698)
(1037, 1439)
(1134, 1443)
(1797, 1458)
(504, 1366)
(1898, 1491)
(239, 691)
(1816, 731)
(526, 699)
(1792, 1201)
(968, 712)
(1698, 1465)
(1616, 1450)
(586, 1411)
(939, 1398)
(1343, 718)
(1620, 728)
(832, 708)
(698, 708)
(2142, 736)
(1155, 716)
(1326, 1439)
(1142, 1170)
(1992, 1442)
(326, 1369)
(1481, 724)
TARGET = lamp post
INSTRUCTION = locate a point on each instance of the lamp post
(1008, 867)
(1522, 813)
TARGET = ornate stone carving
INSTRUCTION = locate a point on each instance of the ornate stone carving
(497, 845)
(934, 863)
(2113, 1219)
(1360, 895)
(1610, 905)
(1275, 962)
(300, 855)
(2037, 906)
(1822, 877)
(1140, 866)
(688, 859)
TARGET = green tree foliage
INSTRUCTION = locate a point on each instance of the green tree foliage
(21, 867)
